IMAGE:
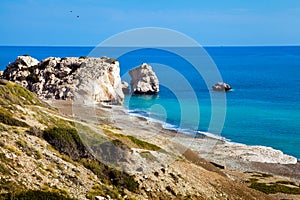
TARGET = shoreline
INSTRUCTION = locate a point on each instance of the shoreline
(202, 134)
(222, 153)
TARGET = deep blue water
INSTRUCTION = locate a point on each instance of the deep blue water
(263, 108)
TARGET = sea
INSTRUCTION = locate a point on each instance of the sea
(263, 107)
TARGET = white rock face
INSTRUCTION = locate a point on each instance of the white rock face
(254, 153)
(90, 79)
(144, 80)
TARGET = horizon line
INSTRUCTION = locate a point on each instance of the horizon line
(275, 45)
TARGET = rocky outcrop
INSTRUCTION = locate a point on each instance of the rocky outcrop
(125, 87)
(143, 80)
(221, 87)
(84, 79)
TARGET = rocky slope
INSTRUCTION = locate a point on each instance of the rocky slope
(83, 79)
(42, 155)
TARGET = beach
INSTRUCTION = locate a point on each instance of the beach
(224, 154)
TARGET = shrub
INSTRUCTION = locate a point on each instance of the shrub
(12, 93)
(143, 144)
(273, 188)
(14, 150)
(6, 118)
(66, 141)
(36, 195)
(35, 131)
(119, 179)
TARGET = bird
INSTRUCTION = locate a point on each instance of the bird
(77, 16)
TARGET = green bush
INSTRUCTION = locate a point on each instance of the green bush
(144, 145)
(12, 93)
(35, 195)
(117, 178)
(67, 141)
(273, 188)
(6, 118)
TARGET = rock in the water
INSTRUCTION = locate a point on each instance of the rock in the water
(221, 87)
(90, 79)
(144, 80)
(125, 87)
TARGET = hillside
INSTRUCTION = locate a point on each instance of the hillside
(42, 155)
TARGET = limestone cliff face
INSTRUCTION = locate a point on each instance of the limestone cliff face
(84, 79)
(144, 80)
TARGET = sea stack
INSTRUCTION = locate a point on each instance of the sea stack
(221, 87)
(83, 78)
(144, 80)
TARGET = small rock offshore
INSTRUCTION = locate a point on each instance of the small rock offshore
(144, 80)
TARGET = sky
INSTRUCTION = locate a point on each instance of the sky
(209, 22)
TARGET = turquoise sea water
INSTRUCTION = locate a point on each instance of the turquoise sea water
(263, 108)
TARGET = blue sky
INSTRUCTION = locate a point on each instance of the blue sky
(210, 22)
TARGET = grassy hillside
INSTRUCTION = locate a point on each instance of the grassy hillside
(23, 117)
(42, 156)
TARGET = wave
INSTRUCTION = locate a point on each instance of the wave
(168, 126)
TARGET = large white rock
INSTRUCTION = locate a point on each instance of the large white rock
(143, 80)
(89, 79)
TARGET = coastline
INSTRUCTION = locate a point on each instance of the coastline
(224, 154)
(223, 143)
(227, 155)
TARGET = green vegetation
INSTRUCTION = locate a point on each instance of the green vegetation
(143, 145)
(273, 188)
(287, 183)
(12, 93)
(117, 178)
(3, 162)
(63, 138)
(8, 185)
(97, 190)
(102, 190)
(36, 195)
(14, 150)
(148, 156)
(67, 141)
(6, 118)
(262, 175)
(136, 142)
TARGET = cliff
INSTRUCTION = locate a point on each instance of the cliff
(88, 79)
